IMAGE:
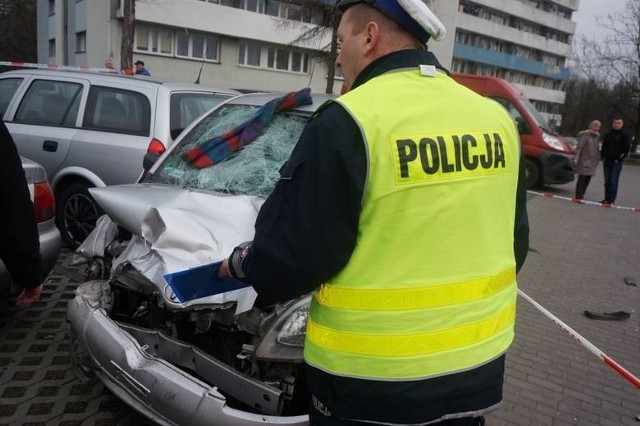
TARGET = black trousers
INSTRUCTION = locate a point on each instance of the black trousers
(581, 186)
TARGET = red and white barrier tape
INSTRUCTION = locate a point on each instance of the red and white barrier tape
(584, 342)
(57, 67)
(592, 203)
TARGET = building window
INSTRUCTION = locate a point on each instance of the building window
(272, 7)
(81, 42)
(238, 4)
(255, 5)
(52, 47)
(52, 7)
(299, 62)
(249, 53)
(279, 58)
(297, 12)
(198, 46)
(287, 60)
(154, 40)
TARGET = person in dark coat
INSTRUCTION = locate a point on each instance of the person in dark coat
(587, 155)
(615, 147)
(19, 241)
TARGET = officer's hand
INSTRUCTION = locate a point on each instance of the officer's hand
(224, 269)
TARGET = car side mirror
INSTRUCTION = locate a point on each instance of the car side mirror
(523, 127)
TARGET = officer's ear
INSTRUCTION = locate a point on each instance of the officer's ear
(373, 35)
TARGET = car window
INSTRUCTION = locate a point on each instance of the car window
(117, 110)
(8, 87)
(186, 107)
(50, 103)
(253, 170)
(509, 106)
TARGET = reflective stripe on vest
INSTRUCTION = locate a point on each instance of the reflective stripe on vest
(430, 287)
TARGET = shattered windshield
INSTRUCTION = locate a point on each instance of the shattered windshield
(254, 170)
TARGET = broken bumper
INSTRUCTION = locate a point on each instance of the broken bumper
(139, 366)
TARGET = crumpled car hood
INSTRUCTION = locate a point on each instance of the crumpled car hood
(176, 228)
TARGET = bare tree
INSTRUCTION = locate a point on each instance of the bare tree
(325, 18)
(128, 31)
(584, 102)
(612, 64)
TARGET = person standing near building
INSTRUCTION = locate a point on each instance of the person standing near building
(586, 157)
(615, 147)
(19, 241)
(403, 205)
(140, 69)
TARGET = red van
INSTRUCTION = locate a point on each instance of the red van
(548, 157)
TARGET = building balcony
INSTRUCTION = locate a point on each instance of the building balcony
(530, 13)
(569, 4)
(542, 94)
(214, 18)
(512, 35)
(510, 62)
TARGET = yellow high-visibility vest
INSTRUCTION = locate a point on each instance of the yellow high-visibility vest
(430, 288)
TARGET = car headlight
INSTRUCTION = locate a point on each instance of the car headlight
(283, 339)
(552, 141)
(294, 330)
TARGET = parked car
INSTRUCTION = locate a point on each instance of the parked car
(548, 157)
(215, 360)
(44, 205)
(92, 130)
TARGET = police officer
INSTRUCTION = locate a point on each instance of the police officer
(403, 208)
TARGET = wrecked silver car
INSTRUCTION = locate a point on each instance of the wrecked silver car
(217, 359)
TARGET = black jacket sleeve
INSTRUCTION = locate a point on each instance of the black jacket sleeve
(19, 242)
(521, 229)
(306, 230)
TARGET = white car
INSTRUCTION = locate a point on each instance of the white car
(215, 359)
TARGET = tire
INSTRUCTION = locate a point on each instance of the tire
(76, 213)
(533, 173)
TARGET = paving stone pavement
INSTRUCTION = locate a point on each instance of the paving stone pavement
(37, 386)
(579, 256)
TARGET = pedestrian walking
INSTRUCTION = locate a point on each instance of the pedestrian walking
(403, 208)
(615, 147)
(587, 156)
(19, 241)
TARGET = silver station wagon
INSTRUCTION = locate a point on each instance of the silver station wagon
(93, 130)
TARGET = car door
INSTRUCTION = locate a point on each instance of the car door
(46, 118)
(115, 133)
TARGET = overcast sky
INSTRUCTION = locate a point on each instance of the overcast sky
(587, 12)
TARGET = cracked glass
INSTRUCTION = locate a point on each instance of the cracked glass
(253, 170)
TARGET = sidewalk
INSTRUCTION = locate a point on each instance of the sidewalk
(578, 259)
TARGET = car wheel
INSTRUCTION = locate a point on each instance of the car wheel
(533, 173)
(77, 213)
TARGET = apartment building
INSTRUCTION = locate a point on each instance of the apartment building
(246, 44)
(526, 42)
